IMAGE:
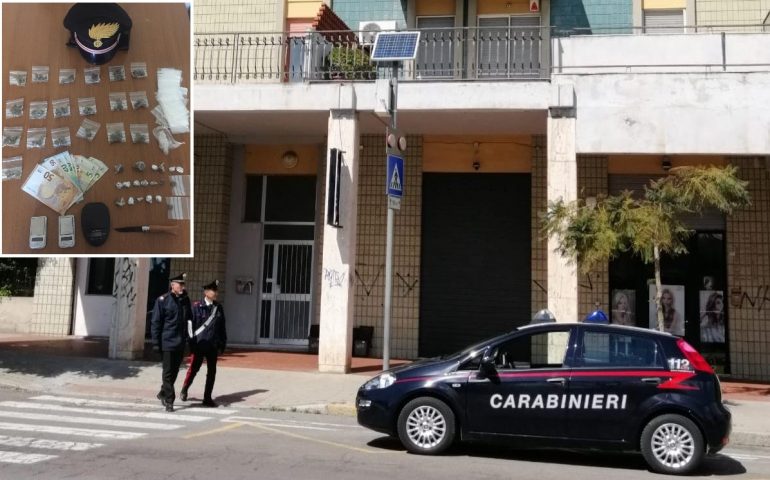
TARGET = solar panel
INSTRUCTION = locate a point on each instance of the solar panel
(392, 46)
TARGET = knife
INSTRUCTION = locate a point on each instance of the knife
(149, 229)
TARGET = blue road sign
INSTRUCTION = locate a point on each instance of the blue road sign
(395, 177)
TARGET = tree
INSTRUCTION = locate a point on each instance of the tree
(648, 226)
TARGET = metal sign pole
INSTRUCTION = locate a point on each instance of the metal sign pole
(389, 237)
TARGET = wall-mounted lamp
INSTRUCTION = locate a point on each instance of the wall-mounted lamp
(665, 164)
(289, 159)
(476, 163)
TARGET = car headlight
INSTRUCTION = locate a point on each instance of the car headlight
(381, 381)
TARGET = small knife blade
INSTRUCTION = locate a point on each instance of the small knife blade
(170, 229)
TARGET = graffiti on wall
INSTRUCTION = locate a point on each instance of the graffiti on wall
(368, 286)
(124, 286)
(751, 298)
(334, 277)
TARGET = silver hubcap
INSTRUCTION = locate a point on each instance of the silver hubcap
(426, 427)
(673, 445)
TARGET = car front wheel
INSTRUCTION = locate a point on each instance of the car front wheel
(672, 444)
(426, 425)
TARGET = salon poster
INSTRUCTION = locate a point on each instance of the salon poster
(672, 299)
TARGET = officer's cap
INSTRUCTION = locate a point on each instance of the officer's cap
(98, 30)
(179, 278)
(212, 286)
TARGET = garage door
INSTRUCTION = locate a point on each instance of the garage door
(475, 265)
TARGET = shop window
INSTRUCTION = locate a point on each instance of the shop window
(17, 276)
(252, 208)
(101, 274)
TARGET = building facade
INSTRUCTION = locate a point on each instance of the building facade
(508, 105)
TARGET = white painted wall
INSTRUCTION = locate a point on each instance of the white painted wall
(719, 114)
(244, 259)
(592, 54)
(16, 314)
(93, 313)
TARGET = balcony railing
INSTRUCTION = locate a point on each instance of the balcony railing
(443, 54)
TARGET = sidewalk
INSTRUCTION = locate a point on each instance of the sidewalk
(259, 379)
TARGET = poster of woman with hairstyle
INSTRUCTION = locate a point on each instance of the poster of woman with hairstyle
(623, 307)
(672, 299)
(712, 316)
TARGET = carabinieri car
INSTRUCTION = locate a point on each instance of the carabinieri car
(558, 385)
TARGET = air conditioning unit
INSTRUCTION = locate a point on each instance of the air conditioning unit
(367, 31)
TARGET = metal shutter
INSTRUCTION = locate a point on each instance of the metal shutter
(435, 57)
(664, 21)
(475, 264)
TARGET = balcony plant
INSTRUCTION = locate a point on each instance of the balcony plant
(349, 63)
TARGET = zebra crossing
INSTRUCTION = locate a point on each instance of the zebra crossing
(44, 427)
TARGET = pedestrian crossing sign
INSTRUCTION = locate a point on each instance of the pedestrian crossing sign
(395, 176)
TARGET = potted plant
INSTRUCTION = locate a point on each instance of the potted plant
(349, 63)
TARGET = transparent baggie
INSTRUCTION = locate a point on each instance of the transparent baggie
(36, 138)
(61, 108)
(12, 136)
(88, 129)
(14, 108)
(87, 106)
(117, 73)
(17, 78)
(12, 168)
(60, 137)
(116, 133)
(139, 100)
(93, 75)
(140, 133)
(66, 76)
(139, 69)
(40, 74)
(118, 102)
(38, 110)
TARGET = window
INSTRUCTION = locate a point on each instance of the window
(101, 274)
(539, 350)
(252, 209)
(604, 349)
(664, 21)
(435, 57)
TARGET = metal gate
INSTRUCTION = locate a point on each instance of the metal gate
(287, 292)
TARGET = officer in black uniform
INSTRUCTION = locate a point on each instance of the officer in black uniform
(207, 337)
(170, 315)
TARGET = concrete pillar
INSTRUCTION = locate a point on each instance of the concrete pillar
(128, 321)
(335, 340)
(561, 172)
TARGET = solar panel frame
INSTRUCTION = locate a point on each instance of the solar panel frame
(392, 46)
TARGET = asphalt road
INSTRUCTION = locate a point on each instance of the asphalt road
(49, 437)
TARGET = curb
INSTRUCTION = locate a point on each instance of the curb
(336, 409)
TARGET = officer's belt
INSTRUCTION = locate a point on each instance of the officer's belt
(202, 327)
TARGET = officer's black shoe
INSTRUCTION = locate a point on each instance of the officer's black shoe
(161, 398)
(169, 407)
(183, 395)
(209, 403)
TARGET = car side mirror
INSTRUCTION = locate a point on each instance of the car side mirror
(487, 366)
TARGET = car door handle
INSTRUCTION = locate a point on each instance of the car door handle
(559, 380)
(651, 380)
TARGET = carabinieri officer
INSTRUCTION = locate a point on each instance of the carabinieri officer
(170, 315)
(207, 337)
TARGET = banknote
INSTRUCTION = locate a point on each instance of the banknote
(53, 190)
(63, 165)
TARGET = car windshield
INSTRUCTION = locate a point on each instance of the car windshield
(474, 347)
